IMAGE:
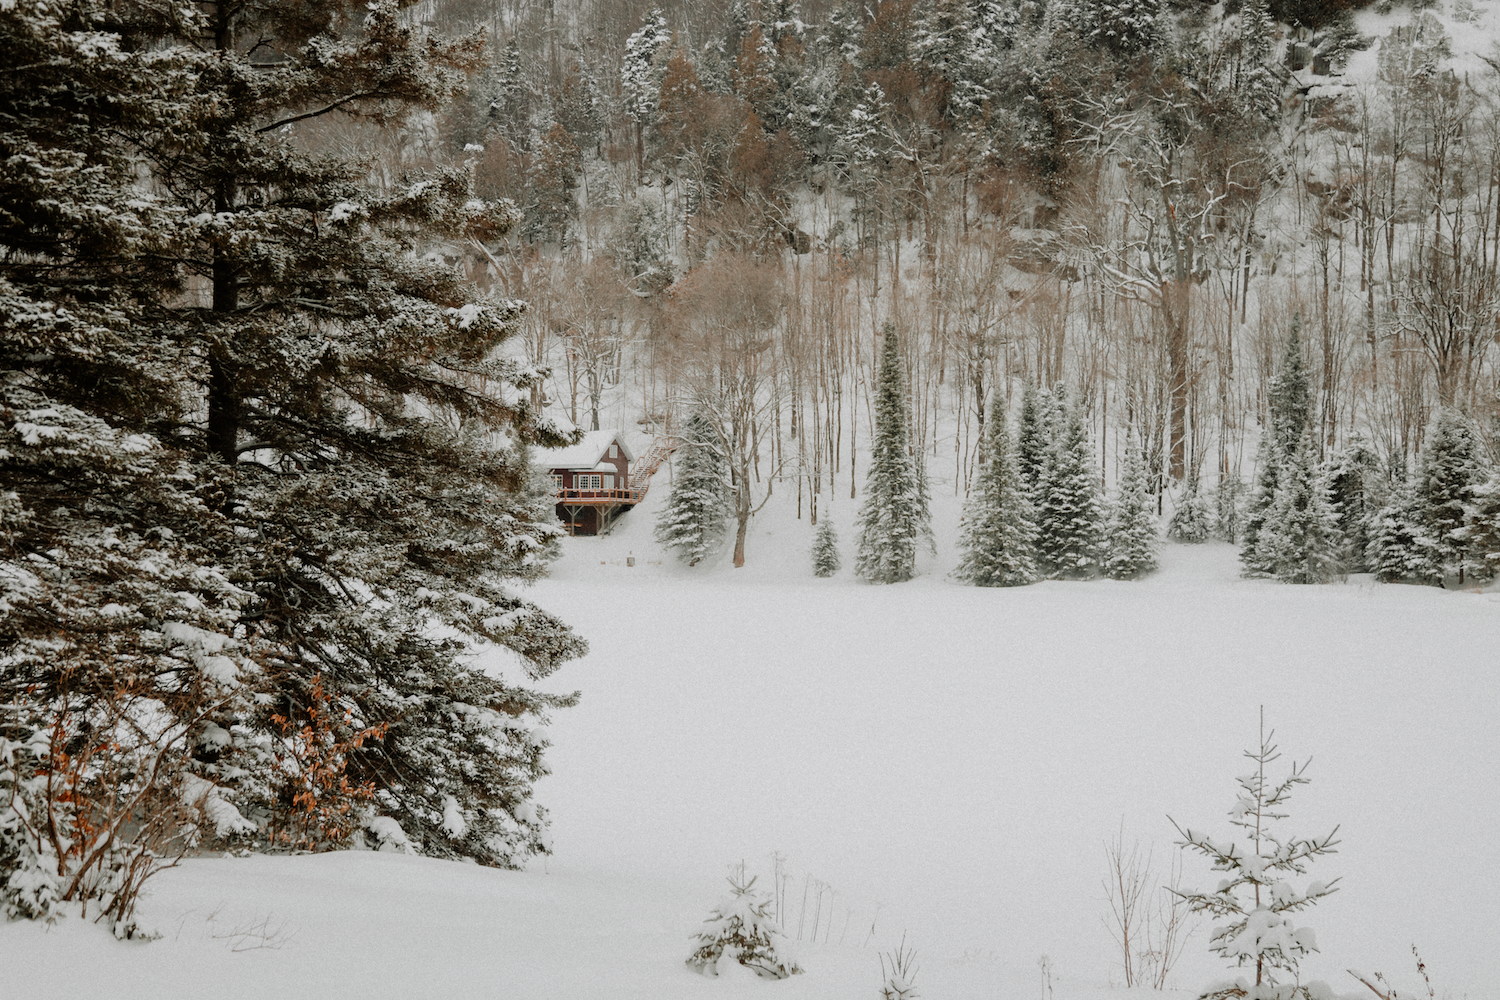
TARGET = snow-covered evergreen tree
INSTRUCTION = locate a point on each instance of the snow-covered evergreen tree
(741, 931)
(1400, 550)
(309, 473)
(1033, 438)
(825, 551)
(997, 533)
(1289, 396)
(1445, 487)
(1255, 900)
(894, 515)
(696, 515)
(1300, 539)
(1131, 538)
(1192, 521)
(1256, 83)
(1070, 516)
(1227, 518)
(1482, 529)
(641, 73)
(1357, 490)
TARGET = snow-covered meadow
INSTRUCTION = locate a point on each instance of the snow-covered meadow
(947, 761)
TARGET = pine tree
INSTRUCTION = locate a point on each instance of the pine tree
(1254, 897)
(696, 515)
(1399, 549)
(249, 411)
(1300, 537)
(1445, 487)
(1258, 88)
(1070, 517)
(1227, 518)
(1191, 520)
(1289, 396)
(640, 76)
(741, 931)
(1032, 440)
(825, 552)
(1357, 490)
(997, 532)
(894, 516)
(1482, 529)
(1130, 539)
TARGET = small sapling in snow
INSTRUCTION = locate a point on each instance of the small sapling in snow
(741, 930)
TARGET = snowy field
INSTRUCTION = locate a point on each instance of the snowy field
(947, 761)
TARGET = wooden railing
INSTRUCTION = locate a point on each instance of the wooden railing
(600, 496)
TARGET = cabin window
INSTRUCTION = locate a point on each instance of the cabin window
(584, 482)
(557, 482)
(609, 481)
(614, 451)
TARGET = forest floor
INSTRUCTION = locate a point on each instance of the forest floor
(928, 759)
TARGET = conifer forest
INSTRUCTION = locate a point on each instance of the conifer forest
(924, 311)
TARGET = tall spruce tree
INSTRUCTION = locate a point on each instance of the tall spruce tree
(251, 413)
(1300, 538)
(997, 534)
(1400, 550)
(1445, 487)
(1032, 439)
(894, 516)
(1357, 490)
(696, 515)
(1130, 538)
(1289, 397)
(1482, 529)
(1070, 516)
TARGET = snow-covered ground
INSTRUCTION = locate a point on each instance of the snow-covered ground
(947, 761)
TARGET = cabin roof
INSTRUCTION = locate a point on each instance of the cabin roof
(586, 454)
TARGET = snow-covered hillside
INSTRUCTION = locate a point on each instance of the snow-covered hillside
(946, 761)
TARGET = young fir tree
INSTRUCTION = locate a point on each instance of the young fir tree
(894, 516)
(997, 534)
(1445, 487)
(694, 520)
(1032, 438)
(1300, 538)
(1070, 517)
(1130, 539)
(1254, 898)
(1191, 521)
(1227, 519)
(1482, 529)
(246, 407)
(1400, 550)
(1289, 396)
(825, 552)
(741, 931)
(1357, 490)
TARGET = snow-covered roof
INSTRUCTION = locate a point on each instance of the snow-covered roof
(586, 454)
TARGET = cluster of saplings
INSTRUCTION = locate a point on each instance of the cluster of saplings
(1307, 521)
(1038, 510)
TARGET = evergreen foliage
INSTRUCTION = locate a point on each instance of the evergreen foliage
(1482, 529)
(1070, 516)
(825, 552)
(641, 74)
(1191, 521)
(1399, 549)
(1032, 439)
(265, 459)
(1445, 487)
(1227, 519)
(1357, 490)
(741, 930)
(1289, 397)
(1131, 539)
(1300, 539)
(1255, 899)
(997, 534)
(894, 515)
(696, 515)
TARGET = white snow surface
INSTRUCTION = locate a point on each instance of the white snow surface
(948, 760)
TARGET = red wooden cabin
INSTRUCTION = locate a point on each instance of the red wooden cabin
(593, 481)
